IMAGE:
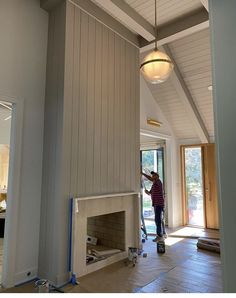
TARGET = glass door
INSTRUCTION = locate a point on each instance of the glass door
(151, 160)
(194, 186)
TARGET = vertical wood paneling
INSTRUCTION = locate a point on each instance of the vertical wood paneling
(137, 120)
(104, 133)
(116, 111)
(122, 115)
(68, 105)
(98, 109)
(83, 103)
(90, 107)
(127, 115)
(111, 107)
(91, 143)
(75, 104)
(132, 119)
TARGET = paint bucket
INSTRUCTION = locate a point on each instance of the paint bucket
(161, 248)
(42, 285)
(133, 254)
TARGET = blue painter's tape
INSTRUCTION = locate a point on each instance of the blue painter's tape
(70, 233)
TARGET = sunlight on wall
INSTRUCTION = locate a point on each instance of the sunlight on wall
(4, 164)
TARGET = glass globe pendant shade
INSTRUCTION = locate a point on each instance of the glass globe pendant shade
(156, 67)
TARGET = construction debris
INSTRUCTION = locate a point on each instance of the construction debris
(209, 244)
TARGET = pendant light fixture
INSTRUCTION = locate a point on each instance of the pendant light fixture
(156, 66)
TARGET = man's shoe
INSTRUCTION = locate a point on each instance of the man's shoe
(157, 238)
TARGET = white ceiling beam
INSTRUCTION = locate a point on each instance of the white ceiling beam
(205, 4)
(186, 98)
(185, 26)
(129, 17)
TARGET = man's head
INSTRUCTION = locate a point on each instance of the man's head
(154, 175)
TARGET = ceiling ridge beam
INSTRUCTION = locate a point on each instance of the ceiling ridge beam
(187, 99)
(179, 28)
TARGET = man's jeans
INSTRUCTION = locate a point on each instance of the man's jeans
(159, 213)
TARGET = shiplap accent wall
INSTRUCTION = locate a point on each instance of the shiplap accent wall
(91, 124)
(102, 108)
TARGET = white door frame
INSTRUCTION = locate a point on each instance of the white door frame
(171, 174)
(13, 191)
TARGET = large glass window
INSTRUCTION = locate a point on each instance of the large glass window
(194, 185)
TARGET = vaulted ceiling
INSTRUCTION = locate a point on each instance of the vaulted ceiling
(183, 32)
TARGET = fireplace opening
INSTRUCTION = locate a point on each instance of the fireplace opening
(105, 236)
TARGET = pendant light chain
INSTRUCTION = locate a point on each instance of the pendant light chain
(155, 25)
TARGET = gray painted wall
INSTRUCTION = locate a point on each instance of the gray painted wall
(23, 35)
(91, 143)
(223, 40)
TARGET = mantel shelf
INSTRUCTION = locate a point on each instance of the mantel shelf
(107, 196)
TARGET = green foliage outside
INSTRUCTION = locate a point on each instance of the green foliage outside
(193, 169)
(148, 160)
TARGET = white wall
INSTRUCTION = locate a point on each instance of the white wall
(149, 108)
(223, 41)
(23, 37)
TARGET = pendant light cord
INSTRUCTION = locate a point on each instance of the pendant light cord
(155, 25)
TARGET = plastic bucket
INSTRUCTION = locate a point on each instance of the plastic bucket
(42, 285)
(132, 253)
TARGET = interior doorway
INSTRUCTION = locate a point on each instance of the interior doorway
(5, 132)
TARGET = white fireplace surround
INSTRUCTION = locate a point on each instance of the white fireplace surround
(85, 207)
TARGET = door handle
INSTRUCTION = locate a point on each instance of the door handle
(209, 192)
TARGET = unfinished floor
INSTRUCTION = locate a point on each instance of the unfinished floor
(182, 269)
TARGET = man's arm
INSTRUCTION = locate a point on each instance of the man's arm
(148, 177)
(147, 192)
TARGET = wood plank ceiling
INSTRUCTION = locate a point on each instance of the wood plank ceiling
(193, 57)
(167, 10)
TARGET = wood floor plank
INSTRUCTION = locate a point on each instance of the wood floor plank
(182, 269)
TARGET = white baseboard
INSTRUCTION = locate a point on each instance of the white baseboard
(24, 276)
